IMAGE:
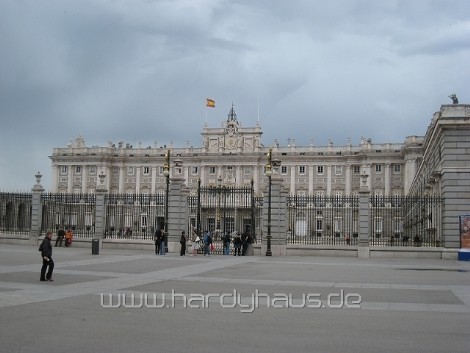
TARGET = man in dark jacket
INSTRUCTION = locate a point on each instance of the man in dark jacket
(46, 253)
(60, 236)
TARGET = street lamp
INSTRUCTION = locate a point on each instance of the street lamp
(269, 173)
(219, 189)
(270, 164)
(166, 173)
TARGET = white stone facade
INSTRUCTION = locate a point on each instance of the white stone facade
(236, 154)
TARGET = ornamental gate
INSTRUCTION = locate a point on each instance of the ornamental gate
(224, 210)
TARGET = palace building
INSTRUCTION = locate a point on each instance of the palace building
(234, 156)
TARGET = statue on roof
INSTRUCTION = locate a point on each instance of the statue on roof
(454, 98)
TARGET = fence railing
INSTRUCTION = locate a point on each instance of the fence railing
(71, 211)
(393, 221)
(15, 213)
(134, 216)
(314, 220)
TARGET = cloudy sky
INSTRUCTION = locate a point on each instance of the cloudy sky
(141, 70)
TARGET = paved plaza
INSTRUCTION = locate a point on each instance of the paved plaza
(135, 301)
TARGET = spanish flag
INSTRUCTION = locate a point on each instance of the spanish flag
(210, 103)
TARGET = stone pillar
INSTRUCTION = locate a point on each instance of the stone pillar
(36, 210)
(100, 210)
(278, 217)
(177, 212)
(364, 195)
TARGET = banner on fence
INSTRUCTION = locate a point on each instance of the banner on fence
(464, 222)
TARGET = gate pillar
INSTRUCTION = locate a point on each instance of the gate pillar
(278, 217)
(36, 210)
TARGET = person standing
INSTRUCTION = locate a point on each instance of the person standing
(226, 241)
(47, 262)
(163, 243)
(60, 236)
(158, 241)
(183, 243)
(207, 244)
(237, 244)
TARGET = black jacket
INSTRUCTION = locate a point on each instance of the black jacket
(46, 247)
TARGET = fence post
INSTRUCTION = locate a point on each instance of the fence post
(364, 195)
(177, 212)
(100, 214)
(36, 210)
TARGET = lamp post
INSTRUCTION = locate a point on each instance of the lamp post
(219, 190)
(270, 164)
(269, 173)
(166, 173)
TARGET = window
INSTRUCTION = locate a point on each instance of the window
(194, 170)
(93, 169)
(78, 169)
(397, 168)
(302, 169)
(247, 170)
(63, 169)
(115, 170)
(338, 170)
(357, 169)
(146, 170)
(378, 168)
(283, 170)
(212, 170)
(319, 225)
(130, 170)
(320, 169)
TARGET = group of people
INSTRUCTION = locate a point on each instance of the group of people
(64, 234)
(240, 243)
(160, 242)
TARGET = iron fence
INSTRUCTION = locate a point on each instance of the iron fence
(316, 220)
(71, 211)
(224, 210)
(405, 221)
(15, 213)
(134, 216)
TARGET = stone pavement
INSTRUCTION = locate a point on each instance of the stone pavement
(135, 301)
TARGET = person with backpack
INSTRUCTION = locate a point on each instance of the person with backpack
(46, 253)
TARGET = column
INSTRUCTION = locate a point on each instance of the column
(387, 180)
(310, 180)
(137, 179)
(69, 179)
(154, 180)
(292, 179)
(121, 179)
(55, 178)
(238, 176)
(348, 179)
(328, 180)
(84, 179)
